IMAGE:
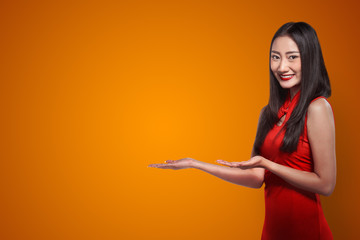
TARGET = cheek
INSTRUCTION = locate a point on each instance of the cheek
(273, 67)
(298, 67)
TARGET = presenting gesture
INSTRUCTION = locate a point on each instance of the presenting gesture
(298, 157)
(246, 177)
(254, 162)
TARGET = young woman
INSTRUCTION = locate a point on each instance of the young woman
(294, 149)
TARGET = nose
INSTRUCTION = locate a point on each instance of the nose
(283, 67)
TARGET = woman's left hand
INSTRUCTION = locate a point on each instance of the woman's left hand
(254, 162)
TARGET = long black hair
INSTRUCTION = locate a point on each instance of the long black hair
(314, 83)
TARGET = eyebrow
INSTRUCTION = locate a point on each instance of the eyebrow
(285, 53)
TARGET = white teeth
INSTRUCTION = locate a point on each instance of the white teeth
(286, 76)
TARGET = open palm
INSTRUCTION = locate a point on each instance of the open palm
(174, 164)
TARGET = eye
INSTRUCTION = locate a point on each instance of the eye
(275, 57)
(292, 57)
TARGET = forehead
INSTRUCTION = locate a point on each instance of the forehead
(284, 44)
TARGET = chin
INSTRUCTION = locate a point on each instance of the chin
(288, 84)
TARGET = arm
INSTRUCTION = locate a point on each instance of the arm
(321, 134)
(252, 178)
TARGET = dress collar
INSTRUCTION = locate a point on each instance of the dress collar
(289, 104)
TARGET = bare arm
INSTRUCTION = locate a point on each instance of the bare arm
(245, 177)
(252, 178)
(321, 134)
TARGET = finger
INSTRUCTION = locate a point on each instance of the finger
(223, 162)
(246, 163)
(237, 164)
(159, 165)
(152, 165)
(230, 164)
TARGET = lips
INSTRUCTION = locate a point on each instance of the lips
(286, 77)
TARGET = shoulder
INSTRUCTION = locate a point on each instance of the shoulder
(320, 114)
(319, 107)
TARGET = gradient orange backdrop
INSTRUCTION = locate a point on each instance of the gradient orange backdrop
(94, 91)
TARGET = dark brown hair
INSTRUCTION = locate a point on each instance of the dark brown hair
(314, 83)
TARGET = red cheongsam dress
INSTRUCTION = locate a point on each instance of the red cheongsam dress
(291, 213)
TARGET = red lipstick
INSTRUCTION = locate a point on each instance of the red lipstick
(286, 77)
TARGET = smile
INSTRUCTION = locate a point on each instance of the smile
(286, 77)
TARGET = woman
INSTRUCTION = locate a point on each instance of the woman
(294, 149)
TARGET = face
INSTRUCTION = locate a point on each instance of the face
(285, 63)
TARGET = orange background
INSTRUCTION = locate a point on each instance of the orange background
(94, 91)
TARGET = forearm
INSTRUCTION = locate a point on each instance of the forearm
(248, 178)
(309, 181)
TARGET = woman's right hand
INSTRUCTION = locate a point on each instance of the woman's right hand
(175, 164)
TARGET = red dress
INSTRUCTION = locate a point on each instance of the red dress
(290, 212)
